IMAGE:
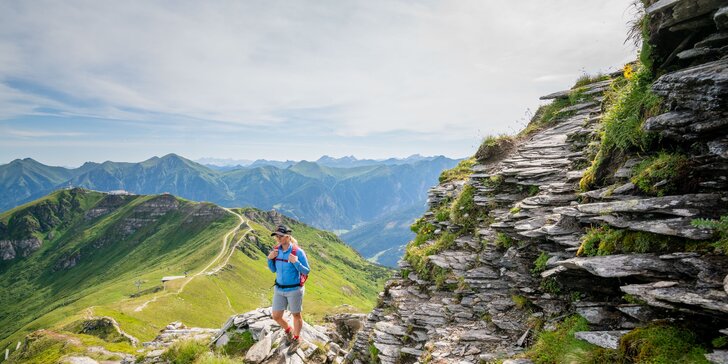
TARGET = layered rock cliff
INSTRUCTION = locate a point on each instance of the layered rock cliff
(605, 207)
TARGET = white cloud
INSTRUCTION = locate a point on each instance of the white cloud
(41, 134)
(440, 67)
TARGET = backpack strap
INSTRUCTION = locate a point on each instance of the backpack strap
(294, 251)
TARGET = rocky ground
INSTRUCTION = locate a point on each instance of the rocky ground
(319, 344)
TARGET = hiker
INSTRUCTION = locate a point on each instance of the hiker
(289, 263)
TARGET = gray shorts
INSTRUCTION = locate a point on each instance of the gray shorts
(293, 300)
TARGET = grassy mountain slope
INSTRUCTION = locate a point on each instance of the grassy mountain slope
(95, 247)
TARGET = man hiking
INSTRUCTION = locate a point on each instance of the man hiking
(289, 263)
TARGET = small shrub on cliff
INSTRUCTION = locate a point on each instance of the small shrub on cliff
(464, 211)
(560, 346)
(494, 147)
(719, 342)
(503, 241)
(550, 285)
(586, 79)
(539, 265)
(604, 240)
(239, 343)
(461, 171)
(721, 231)
(424, 230)
(661, 344)
(373, 353)
(521, 302)
(661, 174)
(442, 214)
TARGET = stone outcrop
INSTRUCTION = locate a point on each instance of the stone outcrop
(488, 315)
(483, 296)
(318, 343)
(10, 249)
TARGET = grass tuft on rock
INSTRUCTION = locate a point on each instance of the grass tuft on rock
(660, 344)
(604, 240)
(539, 265)
(494, 147)
(720, 227)
(185, 352)
(239, 343)
(503, 241)
(662, 174)
(560, 345)
(587, 79)
(464, 211)
(460, 172)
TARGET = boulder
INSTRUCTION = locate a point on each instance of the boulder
(604, 339)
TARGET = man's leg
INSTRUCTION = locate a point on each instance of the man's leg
(297, 323)
(278, 317)
(295, 301)
(295, 305)
(279, 304)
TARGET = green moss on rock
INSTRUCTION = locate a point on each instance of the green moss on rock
(604, 240)
(661, 344)
(460, 172)
(662, 174)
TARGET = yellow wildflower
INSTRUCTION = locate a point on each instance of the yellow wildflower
(628, 71)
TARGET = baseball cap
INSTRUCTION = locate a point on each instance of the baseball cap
(281, 230)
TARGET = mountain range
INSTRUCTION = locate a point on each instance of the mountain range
(328, 161)
(332, 198)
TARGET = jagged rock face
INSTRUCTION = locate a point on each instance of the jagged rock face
(533, 198)
(483, 321)
(270, 218)
(108, 204)
(9, 249)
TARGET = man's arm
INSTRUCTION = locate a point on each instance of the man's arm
(302, 263)
(272, 260)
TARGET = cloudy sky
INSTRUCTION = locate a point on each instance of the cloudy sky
(124, 81)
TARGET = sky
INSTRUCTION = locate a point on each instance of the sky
(125, 81)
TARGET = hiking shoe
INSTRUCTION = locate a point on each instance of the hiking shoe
(293, 346)
(289, 335)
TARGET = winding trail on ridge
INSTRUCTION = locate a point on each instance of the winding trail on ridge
(226, 245)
